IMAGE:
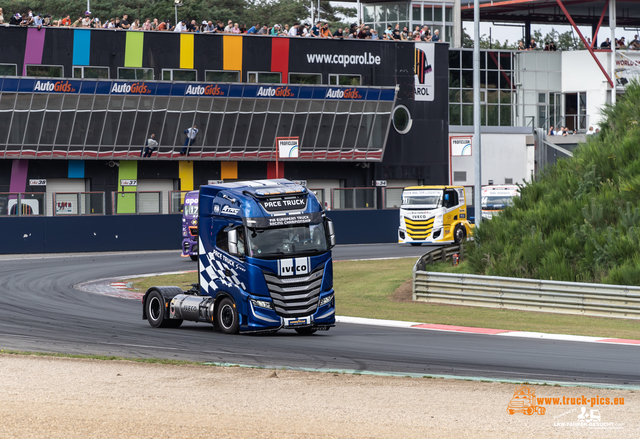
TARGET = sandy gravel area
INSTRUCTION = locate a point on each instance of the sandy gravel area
(44, 397)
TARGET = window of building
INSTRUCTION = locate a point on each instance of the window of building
(8, 70)
(264, 77)
(136, 74)
(179, 75)
(221, 76)
(305, 78)
(402, 119)
(45, 71)
(379, 16)
(91, 72)
(345, 80)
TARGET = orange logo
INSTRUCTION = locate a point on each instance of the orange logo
(352, 93)
(524, 401)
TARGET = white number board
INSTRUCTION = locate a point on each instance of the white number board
(128, 182)
(42, 182)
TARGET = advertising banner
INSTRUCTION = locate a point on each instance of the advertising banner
(288, 148)
(627, 68)
(424, 76)
(461, 146)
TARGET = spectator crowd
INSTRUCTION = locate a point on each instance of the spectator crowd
(319, 30)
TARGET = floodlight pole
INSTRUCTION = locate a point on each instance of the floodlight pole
(477, 192)
(612, 24)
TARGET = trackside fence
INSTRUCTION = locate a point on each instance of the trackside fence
(526, 294)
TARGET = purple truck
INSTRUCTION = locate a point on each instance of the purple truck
(190, 225)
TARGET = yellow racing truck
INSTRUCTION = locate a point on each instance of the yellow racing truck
(433, 215)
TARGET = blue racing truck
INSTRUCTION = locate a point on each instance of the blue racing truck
(190, 225)
(264, 262)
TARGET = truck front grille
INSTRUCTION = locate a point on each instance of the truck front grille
(419, 230)
(295, 296)
(193, 230)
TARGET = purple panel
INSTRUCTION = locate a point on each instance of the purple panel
(19, 176)
(34, 48)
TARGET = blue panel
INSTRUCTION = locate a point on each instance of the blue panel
(88, 87)
(76, 169)
(163, 89)
(103, 87)
(26, 85)
(373, 94)
(10, 84)
(387, 95)
(305, 93)
(320, 92)
(178, 89)
(55, 86)
(235, 91)
(81, 47)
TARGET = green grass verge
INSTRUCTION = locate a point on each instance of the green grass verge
(372, 289)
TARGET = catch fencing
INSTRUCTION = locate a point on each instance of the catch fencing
(523, 294)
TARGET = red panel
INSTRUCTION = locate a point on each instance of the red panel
(271, 169)
(280, 57)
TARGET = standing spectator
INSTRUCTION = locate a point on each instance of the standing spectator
(86, 21)
(404, 35)
(606, 44)
(191, 134)
(243, 28)
(180, 27)
(77, 23)
(388, 34)
(532, 45)
(338, 34)
(96, 23)
(362, 32)
(521, 45)
(546, 47)
(374, 35)
(155, 24)
(590, 132)
(635, 44)
(124, 24)
(552, 132)
(552, 46)
(436, 36)
(228, 27)
(326, 33)
(37, 21)
(219, 27)
(264, 30)
(210, 28)
(396, 32)
(597, 130)
(275, 30)
(293, 32)
(236, 29)
(147, 25)
(621, 44)
(149, 147)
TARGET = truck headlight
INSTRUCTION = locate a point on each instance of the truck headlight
(326, 300)
(262, 303)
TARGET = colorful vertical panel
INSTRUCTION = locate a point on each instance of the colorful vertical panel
(76, 169)
(81, 47)
(271, 170)
(34, 47)
(18, 181)
(280, 57)
(232, 53)
(185, 172)
(186, 51)
(133, 49)
(128, 170)
(229, 170)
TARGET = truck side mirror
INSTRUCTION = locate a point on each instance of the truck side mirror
(331, 235)
(232, 237)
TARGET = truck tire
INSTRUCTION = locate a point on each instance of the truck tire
(306, 331)
(194, 257)
(155, 312)
(459, 234)
(228, 316)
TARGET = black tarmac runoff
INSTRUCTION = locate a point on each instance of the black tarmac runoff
(40, 310)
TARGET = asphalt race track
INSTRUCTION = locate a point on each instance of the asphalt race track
(41, 311)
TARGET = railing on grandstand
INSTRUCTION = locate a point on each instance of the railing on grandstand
(135, 203)
(79, 203)
(23, 204)
(351, 198)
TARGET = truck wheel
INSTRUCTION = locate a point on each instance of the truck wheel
(155, 310)
(416, 244)
(459, 234)
(542, 410)
(194, 257)
(306, 331)
(228, 316)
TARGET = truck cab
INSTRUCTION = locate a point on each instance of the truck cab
(433, 214)
(190, 225)
(496, 198)
(264, 262)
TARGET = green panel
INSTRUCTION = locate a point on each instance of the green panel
(127, 203)
(133, 49)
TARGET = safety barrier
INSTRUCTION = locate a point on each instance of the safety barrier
(526, 294)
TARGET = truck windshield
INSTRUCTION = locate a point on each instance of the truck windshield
(500, 200)
(286, 241)
(427, 200)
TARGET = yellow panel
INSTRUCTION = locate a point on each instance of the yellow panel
(185, 171)
(229, 170)
(186, 51)
(232, 53)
